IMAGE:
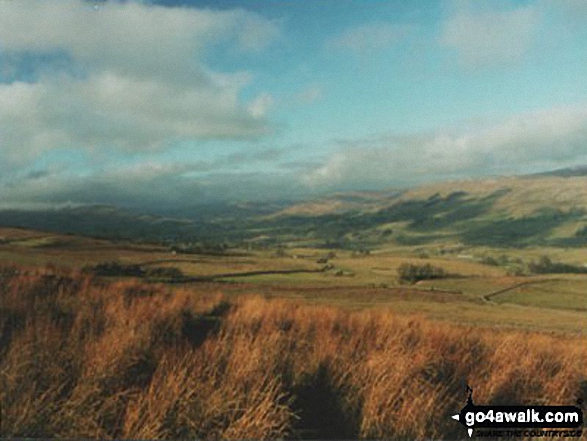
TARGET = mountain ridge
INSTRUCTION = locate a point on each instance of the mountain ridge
(546, 210)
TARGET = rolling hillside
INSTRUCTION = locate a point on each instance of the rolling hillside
(517, 211)
(545, 210)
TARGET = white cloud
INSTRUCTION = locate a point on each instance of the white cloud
(143, 84)
(129, 113)
(488, 33)
(556, 137)
(369, 37)
(145, 185)
(547, 139)
(128, 37)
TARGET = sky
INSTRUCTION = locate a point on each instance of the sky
(156, 104)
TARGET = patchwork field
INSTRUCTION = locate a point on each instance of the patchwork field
(105, 339)
(473, 292)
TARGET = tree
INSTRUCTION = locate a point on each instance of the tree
(411, 273)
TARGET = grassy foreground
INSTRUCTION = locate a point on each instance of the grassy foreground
(87, 359)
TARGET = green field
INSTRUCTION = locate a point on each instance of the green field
(472, 293)
(564, 293)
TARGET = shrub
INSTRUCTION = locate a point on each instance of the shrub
(489, 260)
(545, 265)
(411, 273)
(115, 269)
(165, 273)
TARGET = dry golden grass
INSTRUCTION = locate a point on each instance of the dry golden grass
(82, 359)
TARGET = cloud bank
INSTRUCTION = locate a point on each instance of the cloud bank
(137, 77)
(551, 138)
(139, 87)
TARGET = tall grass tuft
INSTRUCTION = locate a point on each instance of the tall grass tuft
(82, 359)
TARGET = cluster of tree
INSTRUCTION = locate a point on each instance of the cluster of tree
(502, 260)
(117, 269)
(411, 273)
(545, 265)
(200, 248)
(490, 260)
(338, 243)
(164, 273)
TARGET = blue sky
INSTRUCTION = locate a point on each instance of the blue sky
(160, 103)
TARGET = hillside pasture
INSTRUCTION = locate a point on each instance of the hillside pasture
(346, 279)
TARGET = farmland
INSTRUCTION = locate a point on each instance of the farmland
(113, 337)
(554, 302)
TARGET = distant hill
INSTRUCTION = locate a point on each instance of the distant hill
(565, 172)
(516, 211)
(540, 210)
(96, 220)
(213, 223)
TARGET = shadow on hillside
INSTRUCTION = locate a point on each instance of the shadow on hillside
(197, 328)
(524, 231)
(190, 327)
(422, 215)
(319, 405)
